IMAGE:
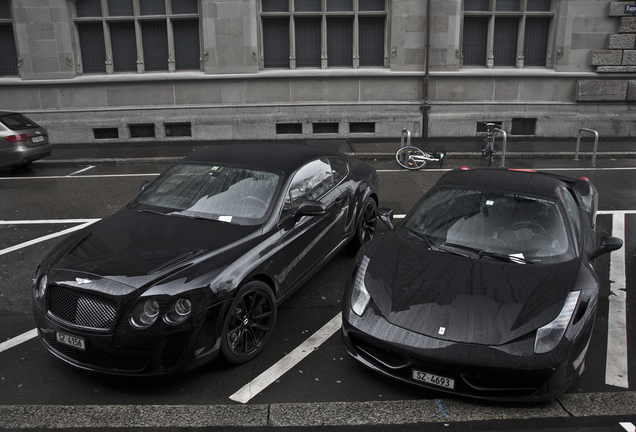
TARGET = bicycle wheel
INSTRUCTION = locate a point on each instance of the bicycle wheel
(410, 157)
(487, 151)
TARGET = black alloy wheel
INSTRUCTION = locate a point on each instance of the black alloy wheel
(366, 224)
(249, 323)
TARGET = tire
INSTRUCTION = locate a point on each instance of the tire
(487, 151)
(249, 323)
(404, 156)
(365, 228)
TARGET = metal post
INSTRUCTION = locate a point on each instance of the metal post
(408, 137)
(503, 151)
(578, 144)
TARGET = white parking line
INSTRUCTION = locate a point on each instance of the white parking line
(616, 360)
(82, 170)
(629, 427)
(262, 381)
(18, 340)
(80, 176)
(47, 237)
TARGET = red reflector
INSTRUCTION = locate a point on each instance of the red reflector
(522, 170)
(16, 138)
(464, 168)
(584, 179)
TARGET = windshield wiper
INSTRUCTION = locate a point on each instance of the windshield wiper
(482, 253)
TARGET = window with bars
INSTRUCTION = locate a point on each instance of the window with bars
(323, 33)
(8, 53)
(137, 35)
(507, 32)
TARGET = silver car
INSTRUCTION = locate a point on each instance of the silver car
(21, 140)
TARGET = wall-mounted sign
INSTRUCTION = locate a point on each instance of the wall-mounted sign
(630, 8)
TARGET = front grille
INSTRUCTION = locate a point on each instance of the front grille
(81, 308)
(96, 358)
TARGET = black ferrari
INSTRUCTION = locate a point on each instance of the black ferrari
(198, 262)
(486, 289)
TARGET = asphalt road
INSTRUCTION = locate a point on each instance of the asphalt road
(317, 386)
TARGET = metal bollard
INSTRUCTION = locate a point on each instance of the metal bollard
(578, 144)
(503, 150)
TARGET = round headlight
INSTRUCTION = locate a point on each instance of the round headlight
(145, 314)
(178, 311)
(42, 287)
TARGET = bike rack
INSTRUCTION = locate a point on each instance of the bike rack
(503, 150)
(578, 144)
(406, 132)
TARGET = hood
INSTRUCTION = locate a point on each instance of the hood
(461, 299)
(136, 248)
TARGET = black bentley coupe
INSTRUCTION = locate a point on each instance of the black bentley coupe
(486, 289)
(198, 262)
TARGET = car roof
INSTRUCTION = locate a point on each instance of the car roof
(516, 181)
(285, 157)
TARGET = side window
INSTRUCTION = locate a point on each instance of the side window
(310, 182)
(573, 211)
(339, 169)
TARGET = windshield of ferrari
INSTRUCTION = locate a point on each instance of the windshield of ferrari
(228, 194)
(485, 224)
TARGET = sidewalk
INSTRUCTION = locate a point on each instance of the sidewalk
(457, 148)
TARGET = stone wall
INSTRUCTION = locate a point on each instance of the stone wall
(620, 57)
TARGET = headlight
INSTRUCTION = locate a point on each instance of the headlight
(145, 314)
(41, 289)
(549, 336)
(360, 296)
(178, 311)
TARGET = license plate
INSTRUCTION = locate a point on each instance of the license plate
(435, 380)
(37, 139)
(72, 341)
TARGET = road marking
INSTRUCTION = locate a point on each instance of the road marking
(262, 381)
(46, 237)
(18, 340)
(82, 170)
(45, 221)
(80, 176)
(616, 361)
(629, 427)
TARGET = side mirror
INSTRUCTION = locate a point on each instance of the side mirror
(144, 185)
(312, 208)
(386, 215)
(607, 244)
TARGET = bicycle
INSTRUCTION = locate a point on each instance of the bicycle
(488, 147)
(413, 158)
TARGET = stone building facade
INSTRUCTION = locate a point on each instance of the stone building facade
(99, 71)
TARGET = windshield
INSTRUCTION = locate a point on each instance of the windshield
(227, 194)
(520, 228)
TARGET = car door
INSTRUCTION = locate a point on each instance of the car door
(309, 239)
